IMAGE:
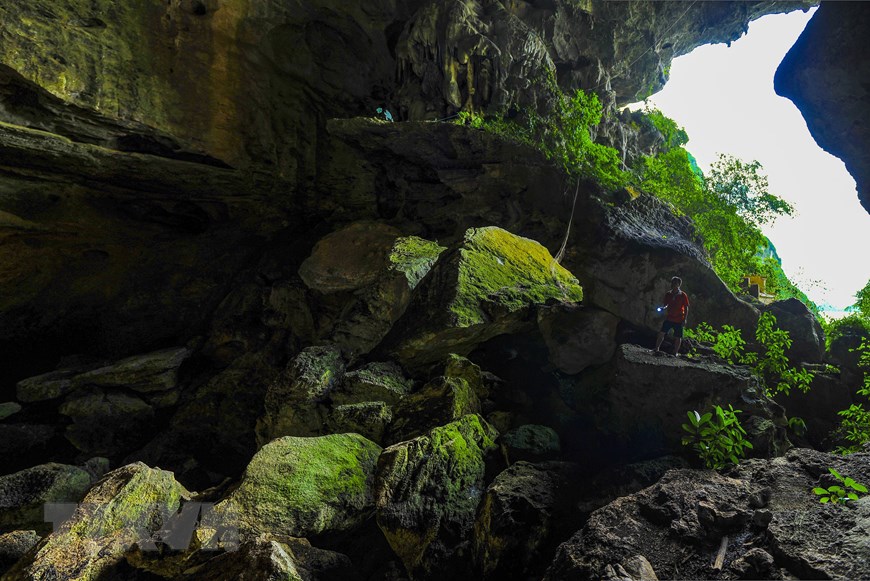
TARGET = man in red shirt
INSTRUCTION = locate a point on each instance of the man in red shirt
(677, 304)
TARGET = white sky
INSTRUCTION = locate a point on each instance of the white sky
(724, 99)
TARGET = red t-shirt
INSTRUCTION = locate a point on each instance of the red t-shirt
(676, 302)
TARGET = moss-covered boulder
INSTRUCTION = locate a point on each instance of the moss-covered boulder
(479, 288)
(428, 490)
(349, 259)
(292, 400)
(439, 402)
(127, 507)
(379, 381)
(150, 372)
(462, 368)
(362, 275)
(306, 486)
(24, 494)
(369, 419)
(520, 513)
(414, 256)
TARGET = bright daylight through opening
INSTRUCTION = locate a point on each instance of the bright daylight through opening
(724, 98)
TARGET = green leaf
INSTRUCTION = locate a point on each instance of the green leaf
(818, 490)
(823, 500)
(852, 496)
(859, 487)
(835, 473)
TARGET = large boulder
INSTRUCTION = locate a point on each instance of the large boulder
(807, 336)
(23, 495)
(306, 486)
(129, 506)
(441, 401)
(480, 288)
(521, 510)
(367, 271)
(427, 492)
(292, 400)
(531, 443)
(764, 512)
(638, 403)
(378, 381)
(626, 253)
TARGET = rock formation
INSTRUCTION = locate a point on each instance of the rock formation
(252, 327)
(824, 74)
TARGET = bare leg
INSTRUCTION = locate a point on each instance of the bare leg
(659, 340)
(677, 341)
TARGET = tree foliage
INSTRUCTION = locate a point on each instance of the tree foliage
(743, 186)
(564, 135)
(727, 205)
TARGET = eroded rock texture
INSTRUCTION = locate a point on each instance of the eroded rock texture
(210, 245)
(775, 527)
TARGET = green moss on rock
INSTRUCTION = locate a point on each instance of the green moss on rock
(439, 402)
(484, 286)
(413, 257)
(373, 382)
(428, 490)
(304, 486)
(129, 504)
(508, 271)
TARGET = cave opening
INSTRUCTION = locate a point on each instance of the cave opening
(724, 97)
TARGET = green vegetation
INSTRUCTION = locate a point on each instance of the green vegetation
(839, 494)
(716, 436)
(855, 425)
(413, 256)
(856, 323)
(727, 206)
(798, 426)
(512, 272)
(564, 136)
(770, 363)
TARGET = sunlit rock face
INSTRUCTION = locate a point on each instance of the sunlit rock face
(825, 73)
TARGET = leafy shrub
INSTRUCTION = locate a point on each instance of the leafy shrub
(771, 364)
(855, 425)
(563, 135)
(716, 436)
(839, 494)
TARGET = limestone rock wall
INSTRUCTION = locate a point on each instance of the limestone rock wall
(825, 73)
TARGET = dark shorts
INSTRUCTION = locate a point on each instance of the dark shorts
(677, 327)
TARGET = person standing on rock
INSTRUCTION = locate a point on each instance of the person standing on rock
(677, 304)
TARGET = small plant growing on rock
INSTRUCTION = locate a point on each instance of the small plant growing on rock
(840, 494)
(716, 436)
